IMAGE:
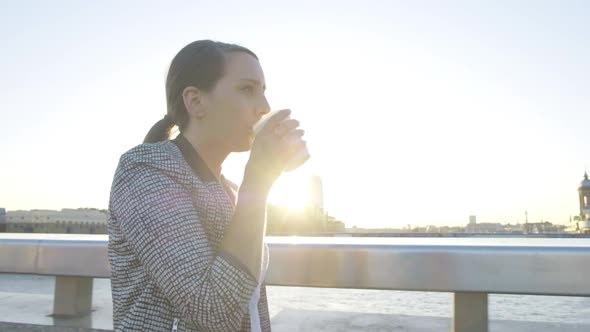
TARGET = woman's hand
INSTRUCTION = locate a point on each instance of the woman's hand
(275, 144)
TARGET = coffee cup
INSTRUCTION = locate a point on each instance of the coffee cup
(297, 160)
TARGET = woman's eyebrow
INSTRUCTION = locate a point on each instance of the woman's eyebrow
(257, 82)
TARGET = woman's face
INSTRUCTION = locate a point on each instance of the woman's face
(237, 102)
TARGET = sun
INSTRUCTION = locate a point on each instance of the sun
(291, 190)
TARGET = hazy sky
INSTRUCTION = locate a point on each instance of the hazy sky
(416, 112)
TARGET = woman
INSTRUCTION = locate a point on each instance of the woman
(185, 245)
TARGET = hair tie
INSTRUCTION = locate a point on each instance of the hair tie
(168, 119)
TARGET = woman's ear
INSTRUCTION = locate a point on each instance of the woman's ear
(193, 102)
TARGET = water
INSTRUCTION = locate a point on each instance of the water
(556, 309)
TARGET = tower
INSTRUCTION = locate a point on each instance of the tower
(316, 195)
(316, 203)
(3, 220)
(584, 191)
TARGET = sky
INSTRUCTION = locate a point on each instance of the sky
(415, 112)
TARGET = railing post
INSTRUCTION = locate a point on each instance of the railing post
(470, 312)
(73, 296)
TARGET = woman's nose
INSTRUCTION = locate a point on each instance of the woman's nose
(264, 107)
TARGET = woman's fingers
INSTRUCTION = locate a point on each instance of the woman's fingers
(298, 145)
(294, 135)
(286, 127)
(277, 118)
(297, 132)
(294, 140)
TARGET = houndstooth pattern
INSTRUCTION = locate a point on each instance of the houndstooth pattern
(165, 227)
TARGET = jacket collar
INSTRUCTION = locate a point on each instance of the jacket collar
(195, 161)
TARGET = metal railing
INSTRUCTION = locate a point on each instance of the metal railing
(469, 268)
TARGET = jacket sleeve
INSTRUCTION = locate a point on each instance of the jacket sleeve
(157, 216)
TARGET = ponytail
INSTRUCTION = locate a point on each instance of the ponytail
(160, 131)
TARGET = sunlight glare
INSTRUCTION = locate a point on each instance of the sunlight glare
(291, 190)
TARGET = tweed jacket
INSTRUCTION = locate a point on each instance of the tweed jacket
(167, 218)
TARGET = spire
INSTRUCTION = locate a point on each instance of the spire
(585, 184)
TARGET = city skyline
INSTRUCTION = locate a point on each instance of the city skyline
(81, 214)
(315, 200)
(419, 113)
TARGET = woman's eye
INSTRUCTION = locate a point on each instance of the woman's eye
(248, 89)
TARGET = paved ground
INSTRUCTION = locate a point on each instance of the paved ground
(328, 321)
(33, 310)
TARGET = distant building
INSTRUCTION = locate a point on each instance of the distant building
(76, 221)
(2, 220)
(542, 227)
(472, 220)
(485, 227)
(583, 225)
(288, 221)
(53, 216)
(316, 194)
